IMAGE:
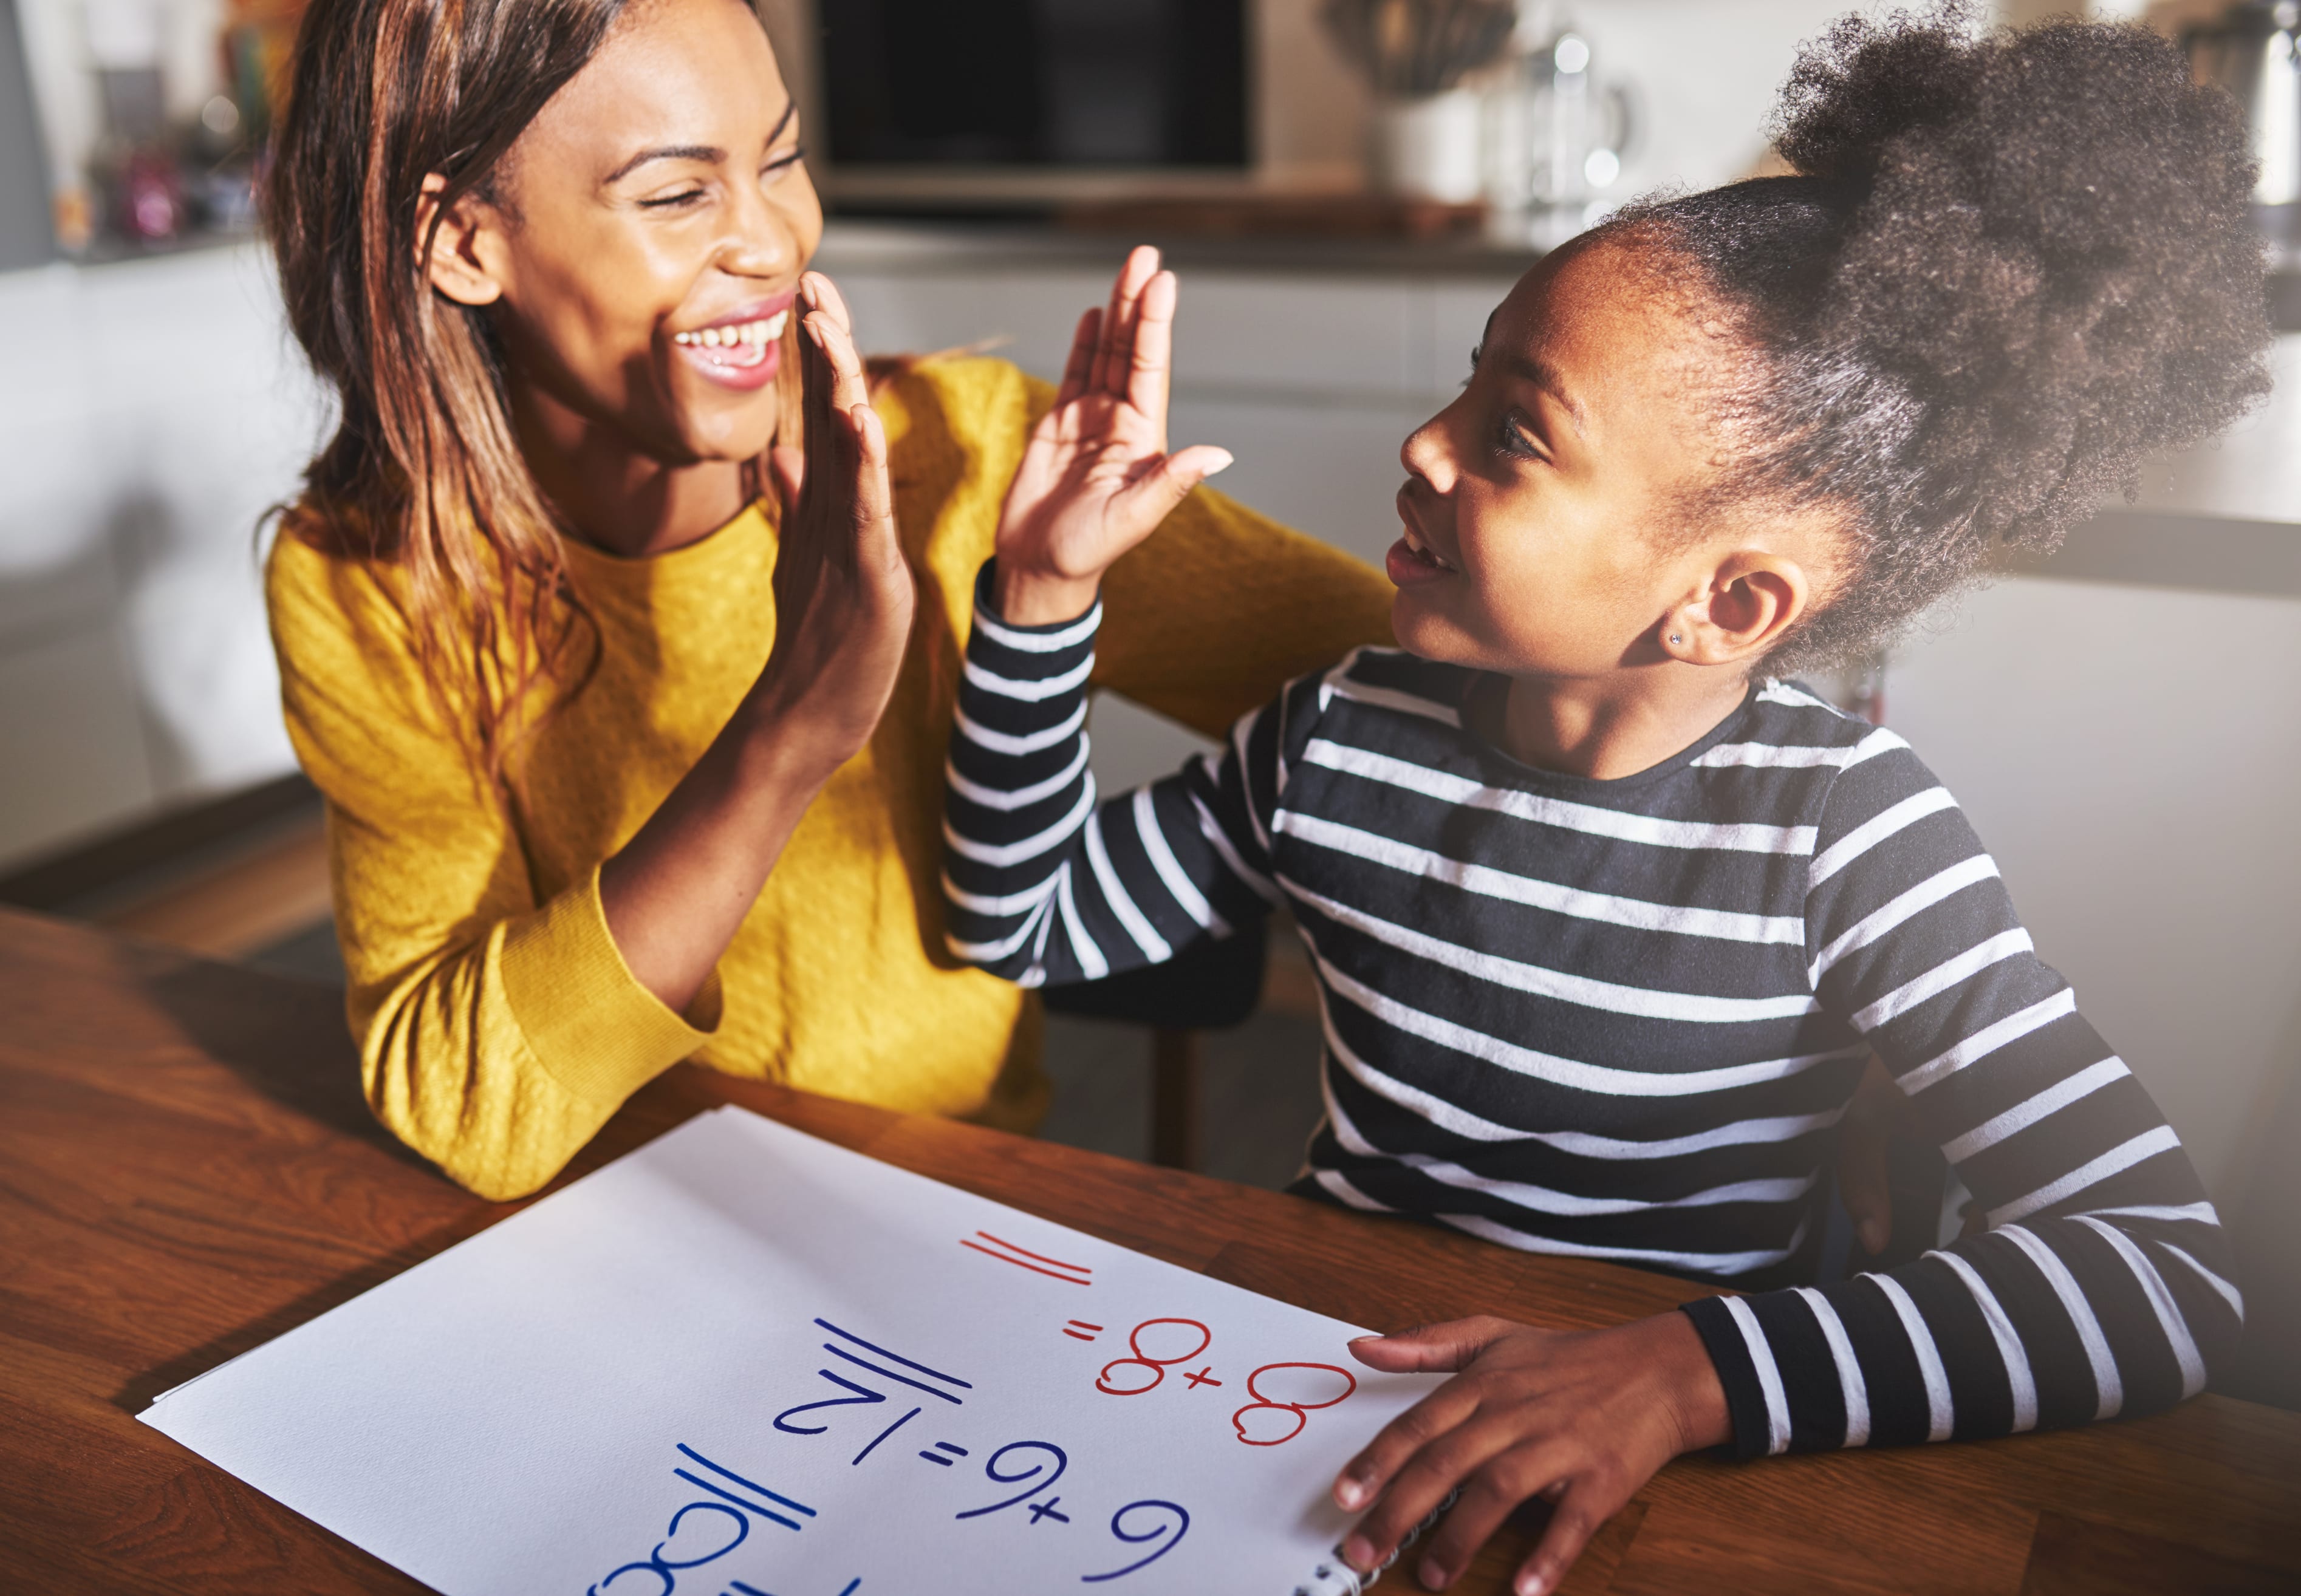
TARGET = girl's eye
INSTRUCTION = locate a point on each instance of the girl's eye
(779, 165)
(685, 197)
(1517, 440)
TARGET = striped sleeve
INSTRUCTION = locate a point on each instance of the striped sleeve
(1045, 884)
(2101, 1284)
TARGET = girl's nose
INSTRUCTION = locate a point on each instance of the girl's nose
(1429, 452)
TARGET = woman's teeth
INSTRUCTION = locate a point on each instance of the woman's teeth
(756, 334)
(1425, 551)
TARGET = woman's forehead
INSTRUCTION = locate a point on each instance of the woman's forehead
(683, 74)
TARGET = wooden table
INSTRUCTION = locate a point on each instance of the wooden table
(186, 1170)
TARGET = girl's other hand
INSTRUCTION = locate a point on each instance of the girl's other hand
(1582, 1418)
(1096, 477)
(843, 593)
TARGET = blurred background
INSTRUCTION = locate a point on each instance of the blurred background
(1347, 188)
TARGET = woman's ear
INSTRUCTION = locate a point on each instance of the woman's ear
(466, 261)
(1752, 599)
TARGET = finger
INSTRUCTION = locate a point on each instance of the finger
(849, 386)
(1110, 360)
(1079, 367)
(824, 295)
(1580, 1513)
(1151, 496)
(1364, 1477)
(815, 406)
(1151, 357)
(1429, 1349)
(1488, 1496)
(874, 499)
(1455, 1460)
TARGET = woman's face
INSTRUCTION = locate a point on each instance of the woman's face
(655, 220)
(1545, 508)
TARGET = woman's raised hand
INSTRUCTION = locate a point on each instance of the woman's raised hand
(843, 593)
(675, 893)
(1096, 477)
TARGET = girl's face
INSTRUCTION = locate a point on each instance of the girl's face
(655, 220)
(1545, 508)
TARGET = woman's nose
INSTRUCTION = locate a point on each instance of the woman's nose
(761, 241)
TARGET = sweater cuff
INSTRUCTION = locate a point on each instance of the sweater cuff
(595, 1029)
(993, 627)
(1737, 1371)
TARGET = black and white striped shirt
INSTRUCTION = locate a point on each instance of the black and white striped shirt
(1620, 1019)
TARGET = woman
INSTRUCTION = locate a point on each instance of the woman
(604, 786)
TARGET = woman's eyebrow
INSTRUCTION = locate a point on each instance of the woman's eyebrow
(708, 154)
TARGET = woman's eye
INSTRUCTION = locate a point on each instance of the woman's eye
(685, 196)
(779, 165)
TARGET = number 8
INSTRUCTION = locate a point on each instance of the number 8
(1157, 1366)
(1301, 1410)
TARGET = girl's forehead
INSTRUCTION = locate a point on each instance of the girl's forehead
(1601, 314)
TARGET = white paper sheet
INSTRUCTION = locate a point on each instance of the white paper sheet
(742, 1361)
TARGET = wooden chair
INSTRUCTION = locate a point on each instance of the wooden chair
(1211, 987)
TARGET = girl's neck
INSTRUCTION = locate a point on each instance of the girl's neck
(1610, 727)
(612, 495)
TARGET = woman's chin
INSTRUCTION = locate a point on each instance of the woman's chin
(727, 427)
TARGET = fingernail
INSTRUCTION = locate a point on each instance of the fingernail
(1350, 1494)
(1357, 1551)
(1433, 1575)
(1529, 1583)
(1223, 464)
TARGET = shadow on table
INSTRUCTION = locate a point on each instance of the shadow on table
(141, 1390)
(284, 1038)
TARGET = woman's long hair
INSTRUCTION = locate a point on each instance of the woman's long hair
(425, 471)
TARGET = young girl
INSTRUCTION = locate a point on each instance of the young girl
(1606, 915)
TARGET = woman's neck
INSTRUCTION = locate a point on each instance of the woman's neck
(613, 496)
(1614, 726)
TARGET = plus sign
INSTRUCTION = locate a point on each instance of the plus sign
(1045, 1509)
(1203, 1377)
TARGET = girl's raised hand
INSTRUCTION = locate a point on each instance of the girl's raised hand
(1583, 1418)
(843, 593)
(1096, 477)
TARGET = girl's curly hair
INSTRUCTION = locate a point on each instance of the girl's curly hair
(2006, 267)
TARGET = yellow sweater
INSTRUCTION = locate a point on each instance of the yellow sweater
(498, 1025)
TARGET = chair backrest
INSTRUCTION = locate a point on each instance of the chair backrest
(1210, 986)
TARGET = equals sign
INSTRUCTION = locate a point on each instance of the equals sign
(942, 1447)
(1081, 1331)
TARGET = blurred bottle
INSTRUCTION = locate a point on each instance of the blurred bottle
(2254, 51)
(1557, 132)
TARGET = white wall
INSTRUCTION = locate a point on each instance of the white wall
(152, 410)
(2132, 755)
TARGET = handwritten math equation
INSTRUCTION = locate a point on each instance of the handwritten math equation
(729, 1507)
(876, 1395)
(1025, 1472)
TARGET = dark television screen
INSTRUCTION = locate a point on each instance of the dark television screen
(1036, 82)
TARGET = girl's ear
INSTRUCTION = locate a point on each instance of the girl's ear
(1753, 597)
(465, 261)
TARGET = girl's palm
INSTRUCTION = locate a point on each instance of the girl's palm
(1096, 479)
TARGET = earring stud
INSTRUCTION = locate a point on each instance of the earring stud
(1676, 639)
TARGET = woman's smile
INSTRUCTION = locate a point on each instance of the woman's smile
(740, 349)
